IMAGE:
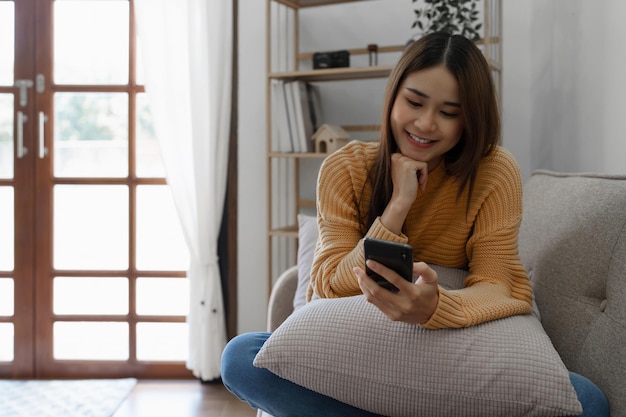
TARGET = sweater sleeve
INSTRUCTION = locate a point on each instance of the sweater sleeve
(497, 285)
(341, 183)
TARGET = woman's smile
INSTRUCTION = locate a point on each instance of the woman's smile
(418, 140)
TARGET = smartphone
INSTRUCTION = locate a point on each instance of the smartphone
(394, 255)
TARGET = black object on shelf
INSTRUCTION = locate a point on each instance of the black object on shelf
(333, 59)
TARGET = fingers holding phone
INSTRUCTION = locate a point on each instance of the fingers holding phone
(388, 285)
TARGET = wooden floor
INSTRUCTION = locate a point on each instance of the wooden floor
(182, 399)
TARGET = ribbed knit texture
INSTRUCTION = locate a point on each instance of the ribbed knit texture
(483, 239)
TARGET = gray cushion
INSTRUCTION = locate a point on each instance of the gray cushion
(346, 348)
(573, 244)
(307, 238)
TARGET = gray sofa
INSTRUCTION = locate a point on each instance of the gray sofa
(573, 244)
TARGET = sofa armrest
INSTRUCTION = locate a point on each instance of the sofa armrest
(281, 299)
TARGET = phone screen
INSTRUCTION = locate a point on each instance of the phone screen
(394, 255)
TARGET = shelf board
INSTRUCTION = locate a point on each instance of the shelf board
(311, 3)
(287, 231)
(358, 51)
(297, 155)
(306, 203)
(334, 74)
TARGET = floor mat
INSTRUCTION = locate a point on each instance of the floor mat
(63, 398)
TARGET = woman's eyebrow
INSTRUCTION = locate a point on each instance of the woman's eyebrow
(422, 94)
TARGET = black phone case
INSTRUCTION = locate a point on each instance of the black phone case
(396, 256)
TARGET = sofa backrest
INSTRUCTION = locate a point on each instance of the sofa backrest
(573, 244)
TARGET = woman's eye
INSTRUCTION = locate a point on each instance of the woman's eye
(450, 115)
(414, 103)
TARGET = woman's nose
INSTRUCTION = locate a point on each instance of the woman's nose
(426, 122)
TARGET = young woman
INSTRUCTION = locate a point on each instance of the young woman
(438, 180)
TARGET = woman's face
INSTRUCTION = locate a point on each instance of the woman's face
(426, 119)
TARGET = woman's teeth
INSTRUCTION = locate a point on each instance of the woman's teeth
(419, 140)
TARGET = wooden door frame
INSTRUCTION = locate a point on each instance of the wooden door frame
(23, 186)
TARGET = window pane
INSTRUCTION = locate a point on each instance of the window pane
(162, 341)
(160, 242)
(90, 340)
(7, 40)
(6, 342)
(90, 295)
(7, 232)
(139, 71)
(6, 134)
(91, 135)
(162, 296)
(149, 162)
(6, 297)
(91, 42)
(90, 227)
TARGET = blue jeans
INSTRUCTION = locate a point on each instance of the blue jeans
(266, 391)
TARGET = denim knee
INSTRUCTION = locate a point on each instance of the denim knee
(593, 400)
(237, 359)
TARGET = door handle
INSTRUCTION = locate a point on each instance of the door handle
(23, 86)
(43, 151)
(21, 149)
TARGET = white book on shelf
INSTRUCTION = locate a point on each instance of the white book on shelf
(275, 116)
(315, 107)
(280, 118)
(307, 121)
(291, 115)
(301, 116)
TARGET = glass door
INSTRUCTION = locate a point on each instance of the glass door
(99, 258)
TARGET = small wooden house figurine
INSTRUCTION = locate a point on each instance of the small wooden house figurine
(329, 138)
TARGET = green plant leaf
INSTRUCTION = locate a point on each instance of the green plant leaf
(454, 16)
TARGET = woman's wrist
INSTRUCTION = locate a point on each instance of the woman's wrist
(393, 217)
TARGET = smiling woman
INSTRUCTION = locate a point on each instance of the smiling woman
(417, 192)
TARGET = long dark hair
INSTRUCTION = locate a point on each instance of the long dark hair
(479, 107)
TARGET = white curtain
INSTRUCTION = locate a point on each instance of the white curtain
(186, 50)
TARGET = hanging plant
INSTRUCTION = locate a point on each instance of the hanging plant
(453, 16)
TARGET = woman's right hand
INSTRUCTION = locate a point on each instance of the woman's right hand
(413, 303)
(408, 176)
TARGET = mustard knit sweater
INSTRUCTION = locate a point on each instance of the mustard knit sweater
(483, 240)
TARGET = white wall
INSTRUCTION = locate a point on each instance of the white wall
(563, 98)
(563, 84)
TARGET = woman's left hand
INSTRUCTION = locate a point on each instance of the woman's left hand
(413, 303)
